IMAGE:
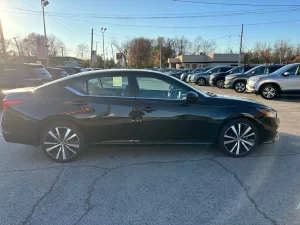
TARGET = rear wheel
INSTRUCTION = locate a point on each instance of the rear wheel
(240, 86)
(238, 137)
(201, 81)
(62, 141)
(268, 91)
(220, 83)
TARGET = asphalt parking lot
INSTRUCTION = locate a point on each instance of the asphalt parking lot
(157, 185)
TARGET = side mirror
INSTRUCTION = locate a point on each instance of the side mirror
(192, 97)
(210, 72)
(286, 74)
(252, 72)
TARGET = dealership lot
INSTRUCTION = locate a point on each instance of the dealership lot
(158, 184)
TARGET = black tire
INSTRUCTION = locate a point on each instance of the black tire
(201, 81)
(268, 91)
(231, 139)
(239, 86)
(67, 138)
(220, 83)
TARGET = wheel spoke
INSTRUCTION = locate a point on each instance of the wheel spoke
(234, 130)
(245, 146)
(70, 149)
(230, 137)
(249, 135)
(63, 152)
(248, 142)
(53, 135)
(233, 147)
(57, 132)
(51, 143)
(73, 145)
(74, 135)
(57, 156)
(67, 133)
(249, 128)
(228, 142)
(51, 148)
(239, 126)
(238, 148)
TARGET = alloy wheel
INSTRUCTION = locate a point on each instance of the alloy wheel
(201, 82)
(61, 143)
(269, 92)
(239, 139)
(220, 83)
(240, 87)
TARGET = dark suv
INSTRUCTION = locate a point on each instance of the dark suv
(16, 75)
(218, 79)
(57, 73)
(71, 70)
(238, 81)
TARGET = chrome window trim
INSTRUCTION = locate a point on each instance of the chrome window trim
(164, 99)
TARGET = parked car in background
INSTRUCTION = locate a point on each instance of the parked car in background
(179, 72)
(218, 79)
(285, 80)
(71, 70)
(16, 75)
(203, 78)
(114, 106)
(238, 81)
(56, 73)
(184, 76)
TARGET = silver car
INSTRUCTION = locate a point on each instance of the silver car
(286, 80)
(203, 78)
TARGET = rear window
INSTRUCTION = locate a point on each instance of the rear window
(39, 72)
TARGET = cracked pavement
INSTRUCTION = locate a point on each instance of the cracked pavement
(157, 184)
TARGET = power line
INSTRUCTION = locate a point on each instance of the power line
(231, 4)
(247, 44)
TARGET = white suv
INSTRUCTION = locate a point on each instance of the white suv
(285, 80)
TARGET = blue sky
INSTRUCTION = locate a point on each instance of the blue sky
(72, 30)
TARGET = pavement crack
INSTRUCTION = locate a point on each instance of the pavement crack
(273, 222)
(43, 197)
(88, 199)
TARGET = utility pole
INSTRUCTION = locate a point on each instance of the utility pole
(43, 4)
(280, 56)
(241, 46)
(92, 48)
(2, 42)
(62, 51)
(103, 30)
(160, 55)
(17, 45)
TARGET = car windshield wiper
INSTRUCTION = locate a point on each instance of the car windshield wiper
(211, 94)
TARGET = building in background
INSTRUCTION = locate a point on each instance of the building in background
(202, 61)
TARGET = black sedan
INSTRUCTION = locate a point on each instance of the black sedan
(131, 106)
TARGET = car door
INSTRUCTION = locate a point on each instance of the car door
(291, 83)
(113, 115)
(164, 113)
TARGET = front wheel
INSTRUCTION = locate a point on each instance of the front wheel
(240, 86)
(220, 83)
(201, 81)
(62, 141)
(269, 92)
(238, 137)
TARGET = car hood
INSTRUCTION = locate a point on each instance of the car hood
(234, 100)
(262, 76)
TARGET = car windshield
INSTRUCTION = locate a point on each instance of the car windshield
(253, 69)
(236, 70)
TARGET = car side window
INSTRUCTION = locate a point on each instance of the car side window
(109, 86)
(293, 70)
(152, 87)
(273, 69)
(224, 69)
(78, 85)
(259, 71)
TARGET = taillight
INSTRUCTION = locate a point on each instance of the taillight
(6, 103)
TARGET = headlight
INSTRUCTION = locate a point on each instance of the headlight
(269, 113)
(255, 79)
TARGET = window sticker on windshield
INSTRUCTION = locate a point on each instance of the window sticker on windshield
(117, 81)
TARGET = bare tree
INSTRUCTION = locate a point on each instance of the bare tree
(55, 46)
(195, 46)
(28, 45)
(82, 50)
(122, 48)
(180, 45)
(207, 46)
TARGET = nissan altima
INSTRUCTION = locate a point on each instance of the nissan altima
(131, 106)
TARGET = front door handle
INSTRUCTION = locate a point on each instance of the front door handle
(148, 109)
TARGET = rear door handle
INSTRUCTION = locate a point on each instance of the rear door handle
(148, 109)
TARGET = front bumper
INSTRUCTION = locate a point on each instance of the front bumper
(212, 81)
(251, 89)
(274, 140)
(228, 83)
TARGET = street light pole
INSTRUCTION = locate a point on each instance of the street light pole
(44, 3)
(96, 47)
(103, 30)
